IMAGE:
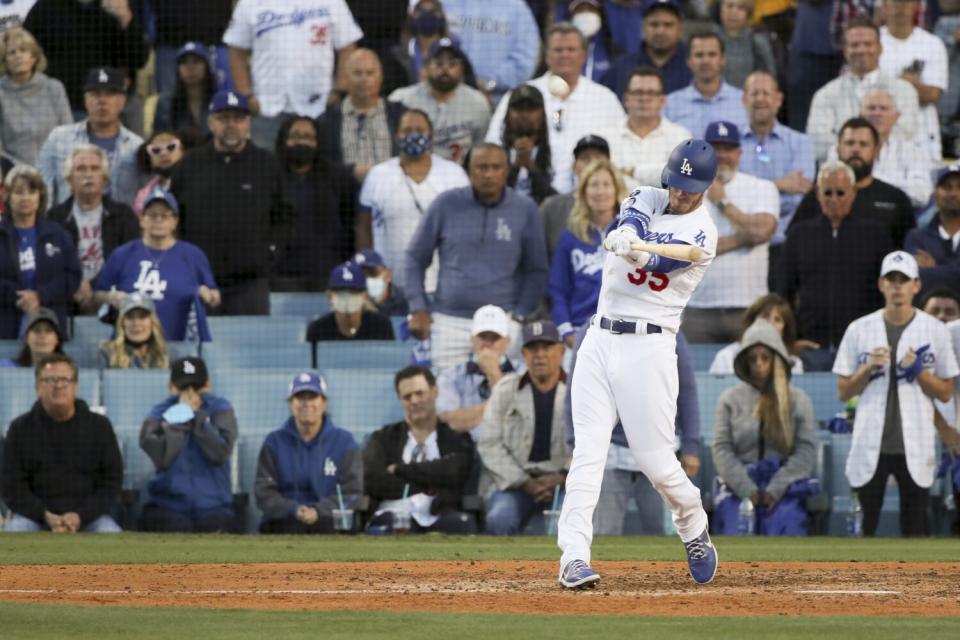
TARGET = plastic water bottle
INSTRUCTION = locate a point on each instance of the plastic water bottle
(746, 520)
(855, 517)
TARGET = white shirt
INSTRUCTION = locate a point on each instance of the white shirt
(927, 48)
(951, 409)
(397, 203)
(589, 108)
(644, 157)
(419, 503)
(954, 239)
(905, 165)
(630, 293)
(13, 14)
(90, 239)
(738, 277)
(723, 362)
(916, 409)
(293, 43)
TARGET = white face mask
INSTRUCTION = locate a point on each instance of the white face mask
(376, 287)
(587, 22)
(347, 302)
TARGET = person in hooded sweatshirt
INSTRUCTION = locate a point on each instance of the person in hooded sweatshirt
(764, 446)
(303, 461)
(190, 436)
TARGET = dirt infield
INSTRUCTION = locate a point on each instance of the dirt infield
(627, 588)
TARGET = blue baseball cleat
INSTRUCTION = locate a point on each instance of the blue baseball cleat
(577, 574)
(701, 558)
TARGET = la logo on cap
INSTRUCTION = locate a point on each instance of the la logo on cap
(686, 168)
(189, 368)
(898, 257)
(232, 99)
(722, 130)
(304, 377)
(102, 76)
(346, 274)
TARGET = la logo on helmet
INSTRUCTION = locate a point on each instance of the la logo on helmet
(686, 168)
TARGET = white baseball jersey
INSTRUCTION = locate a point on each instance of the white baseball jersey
(916, 409)
(950, 409)
(631, 293)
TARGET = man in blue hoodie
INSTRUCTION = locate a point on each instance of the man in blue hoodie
(302, 463)
(190, 436)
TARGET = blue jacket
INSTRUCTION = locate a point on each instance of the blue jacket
(489, 254)
(192, 458)
(947, 271)
(575, 280)
(58, 273)
(292, 472)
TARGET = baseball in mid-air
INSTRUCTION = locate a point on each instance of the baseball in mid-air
(558, 86)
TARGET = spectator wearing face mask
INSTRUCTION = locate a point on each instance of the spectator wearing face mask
(349, 320)
(385, 294)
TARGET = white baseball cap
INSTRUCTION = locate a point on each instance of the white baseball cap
(490, 318)
(902, 262)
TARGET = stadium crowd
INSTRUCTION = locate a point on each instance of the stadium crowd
(442, 172)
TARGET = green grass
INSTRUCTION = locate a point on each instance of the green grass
(39, 622)
(145, 548)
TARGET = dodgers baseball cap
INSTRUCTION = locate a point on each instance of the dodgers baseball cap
(591, 141)
(307, 381)
(540, 331)
(229, 101)
(188, 372)
(446, 44)
(947, 171)
(672, 5)
(107, 78)
(348, 275)
(722, 132)
(137, 300)
(369, 259)
(194, 49)
(526, 96)
(902, 262)
(161, 194)
(490, 318)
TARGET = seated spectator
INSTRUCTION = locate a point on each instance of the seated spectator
(33, 103)
(466, 387)
(746, 50)
(307, 466)
(41, 336)
(157, 157)
(185, 108)
(943, 303)
(349, 320)
(385, 294)
(174, 274)
(38, 260)
(578, 261)
(97, 223)
(763, 439)
(62, 470)
(523, 439)
(190, 437)
(775, 310)
(104, 97)
(527, 139)
(138, 342)
(936, 246)
(419, 466)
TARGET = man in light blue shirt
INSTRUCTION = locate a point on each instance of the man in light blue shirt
(708, 98)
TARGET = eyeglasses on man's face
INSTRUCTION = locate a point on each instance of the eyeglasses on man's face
(55, 381)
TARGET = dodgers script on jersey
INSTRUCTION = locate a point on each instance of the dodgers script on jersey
(631, 293)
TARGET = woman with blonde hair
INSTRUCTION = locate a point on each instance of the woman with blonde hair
(138, 342)
(578, 259)
(32, 104)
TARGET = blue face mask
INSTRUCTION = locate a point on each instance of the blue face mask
(427, 23)
(415, 144)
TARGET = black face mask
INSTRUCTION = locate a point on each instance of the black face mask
(301, 154)
(427, 23)
(166, 172)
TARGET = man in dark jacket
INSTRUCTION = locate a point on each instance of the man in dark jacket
(415, 471)
(62, 470)
(233, 207)
(937, 246)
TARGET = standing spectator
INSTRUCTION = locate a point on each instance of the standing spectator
(708, 98)
(420, 465)
(13, 13)
(38, 260)
(184, 106)
(96, 223)
(405, 62)
(190, 437)
(309, 466)
(814, 58)
(898, 360)
(290, 51)
(491, 251)
(41, 336)
(577, 265)
(62, 470)
(641, 145)
(775, 310)
(397, 193)
(573, 114)
(840, 99)
(744, 209)
(179, 22)
(385, 295)
(942, 303)
(914, 54)
(233, 207)
(588, 16)
(138, 341)
(763, 439)
(460, 114)
(831, 262)
(32, 104)
(173, 273)
(382, 23)
(523, 440)
(936, 246)
(349, 319)
(527, 139)
(948, 24)
(157, 157)
(104, 97)
(746, 50)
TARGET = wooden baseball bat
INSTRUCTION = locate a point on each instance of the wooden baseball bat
(686, 252)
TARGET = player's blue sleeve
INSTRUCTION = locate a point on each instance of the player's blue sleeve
(524, 49)
(688, 413)
(561, 285)
(662, 264)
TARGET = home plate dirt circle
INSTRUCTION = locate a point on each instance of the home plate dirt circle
(627, 587)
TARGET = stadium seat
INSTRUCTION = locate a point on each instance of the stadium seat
(302, 305)
(258, 396)
(703, 355)
(362, 400)
(10, 349)
(129, 394)
(18, 391)
(88, 330)
(375, 354)
(255, 355)
(709, 388)
(245, 330)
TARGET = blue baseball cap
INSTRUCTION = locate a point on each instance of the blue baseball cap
(229, 101)
(307, 381)
(195, 49)
(348, 275)
(160, 193)
(541, 331)
(672, 5)
(369, 259)
(446, 44)
(946, 171)
(722, 132)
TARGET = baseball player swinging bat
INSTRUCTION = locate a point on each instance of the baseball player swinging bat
(686, 252)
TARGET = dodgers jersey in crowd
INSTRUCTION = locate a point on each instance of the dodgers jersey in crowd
(916, 408)
(950, 409)
(632, 293)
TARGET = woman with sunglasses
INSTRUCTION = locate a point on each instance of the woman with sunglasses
(157, 157)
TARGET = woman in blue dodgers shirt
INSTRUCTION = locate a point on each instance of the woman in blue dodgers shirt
(578, 260)
(175, 274)
(302, 462)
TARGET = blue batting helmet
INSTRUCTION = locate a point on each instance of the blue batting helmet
(692, 166)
